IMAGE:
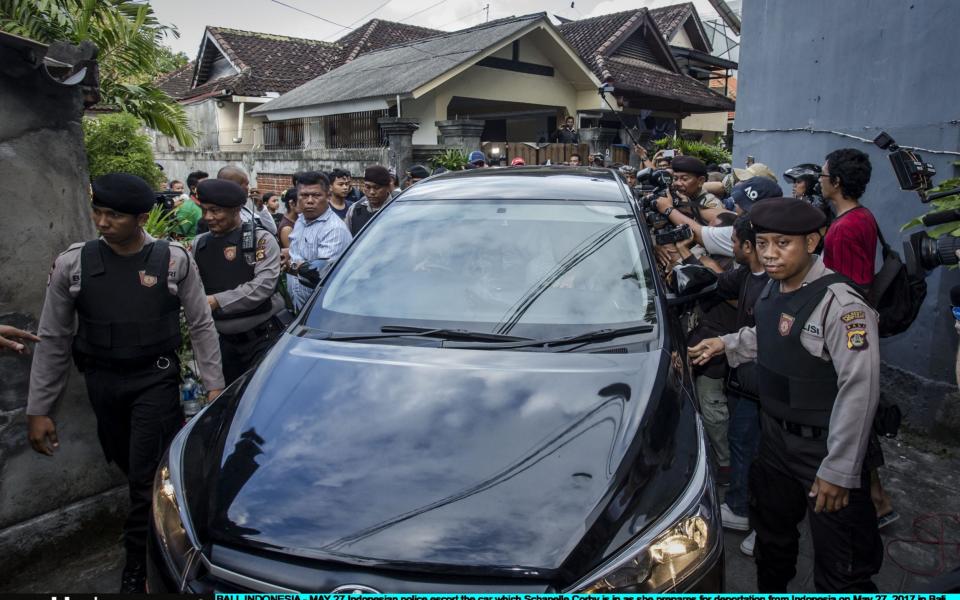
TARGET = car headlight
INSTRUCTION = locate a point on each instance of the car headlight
(671, 550)
(177, 542)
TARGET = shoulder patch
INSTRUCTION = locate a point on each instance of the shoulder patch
(856, 339)
(853, 315)
(813, 328)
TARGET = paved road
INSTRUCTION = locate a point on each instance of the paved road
(923, 482)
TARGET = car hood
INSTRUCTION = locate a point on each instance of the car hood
(376, 454)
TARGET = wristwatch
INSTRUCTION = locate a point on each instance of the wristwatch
(667, 212)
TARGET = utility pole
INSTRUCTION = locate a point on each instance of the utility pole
(487, 10)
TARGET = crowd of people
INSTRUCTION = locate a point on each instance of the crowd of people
(804, 392)
(785, 355)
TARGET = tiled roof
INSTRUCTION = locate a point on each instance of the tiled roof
(377, 34)
(277, 63)
(177, 83)
(596, 40)
(670, 18)
(653, 80)
(589, 36)
(399, 69)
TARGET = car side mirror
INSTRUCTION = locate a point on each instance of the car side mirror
(689, 283)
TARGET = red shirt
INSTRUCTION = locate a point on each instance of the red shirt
(850, 247)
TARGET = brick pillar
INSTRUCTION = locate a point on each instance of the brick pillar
(461, 133)
(399, 132)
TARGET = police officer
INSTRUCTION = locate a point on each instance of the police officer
(818, 363)
(123, 293)
(240, 267)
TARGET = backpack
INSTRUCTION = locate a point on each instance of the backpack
(895, 294)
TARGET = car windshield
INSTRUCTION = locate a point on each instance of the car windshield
(537, 269)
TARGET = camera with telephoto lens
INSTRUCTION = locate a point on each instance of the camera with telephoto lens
(672, 235)
(654, 184)
(167, 200)
(921, 252)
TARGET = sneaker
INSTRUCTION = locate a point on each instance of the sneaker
(134, 578)
(746, 546)
(733, 521)
(723, 476)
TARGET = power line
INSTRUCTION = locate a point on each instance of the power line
(420, 11)
(464, 17)
(370, 13)
(309, 13)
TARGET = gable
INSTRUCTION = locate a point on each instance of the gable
(212, 63)
(645, 44)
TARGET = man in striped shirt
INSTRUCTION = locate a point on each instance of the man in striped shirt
(318, 236)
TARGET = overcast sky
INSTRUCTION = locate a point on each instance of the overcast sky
(191, 16)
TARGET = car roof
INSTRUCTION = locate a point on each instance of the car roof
(520, 183)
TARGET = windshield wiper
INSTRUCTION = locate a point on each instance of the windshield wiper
(388, 331)
(599, 335)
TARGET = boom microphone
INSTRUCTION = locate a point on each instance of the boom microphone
(941, 217)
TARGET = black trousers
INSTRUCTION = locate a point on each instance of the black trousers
(239, 353)
(846, 543)
(138, 414)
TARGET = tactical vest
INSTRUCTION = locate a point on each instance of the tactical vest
(125, 310)
(794, 385)
(361, 214)
(225, 263)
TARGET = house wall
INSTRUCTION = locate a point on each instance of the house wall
(44, 183)
(861, 75)
(680, 38)
(497, 84)
(275, 163)
(227, 117)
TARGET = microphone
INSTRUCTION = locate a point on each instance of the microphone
(955, 301)
(941, 217)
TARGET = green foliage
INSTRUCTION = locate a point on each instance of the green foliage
(948, 203)
(131, 56)
(708, 153)
(160, 223)
(115, 144)
(452, 160)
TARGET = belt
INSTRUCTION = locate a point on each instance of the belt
(805, 431)
(271, 325)
(160, 361)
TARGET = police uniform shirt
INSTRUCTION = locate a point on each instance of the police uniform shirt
(708, 200)
(842, 329)
(250, 295)
(58, 324)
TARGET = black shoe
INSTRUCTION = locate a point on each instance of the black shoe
(134, 578)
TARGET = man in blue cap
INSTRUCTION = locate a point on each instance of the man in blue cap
(113, 304)
(477, 160)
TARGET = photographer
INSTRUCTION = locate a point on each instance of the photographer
(689, 175)
(719, 240)
(850, 247)
(805, 179)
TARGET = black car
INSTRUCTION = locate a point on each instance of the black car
(487, 393)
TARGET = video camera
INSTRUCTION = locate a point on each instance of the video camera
(167, 199)
(921, 252)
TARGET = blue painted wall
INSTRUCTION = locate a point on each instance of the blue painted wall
(860, 67)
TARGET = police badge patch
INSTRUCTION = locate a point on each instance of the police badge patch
(230, 252)
(856, 339)
(786, 324)
(147, 280)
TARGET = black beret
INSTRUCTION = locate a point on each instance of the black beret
(377, 174)
(789, 216)
(221, 192)
(123, 193)
(419, 171)
(688, 164)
